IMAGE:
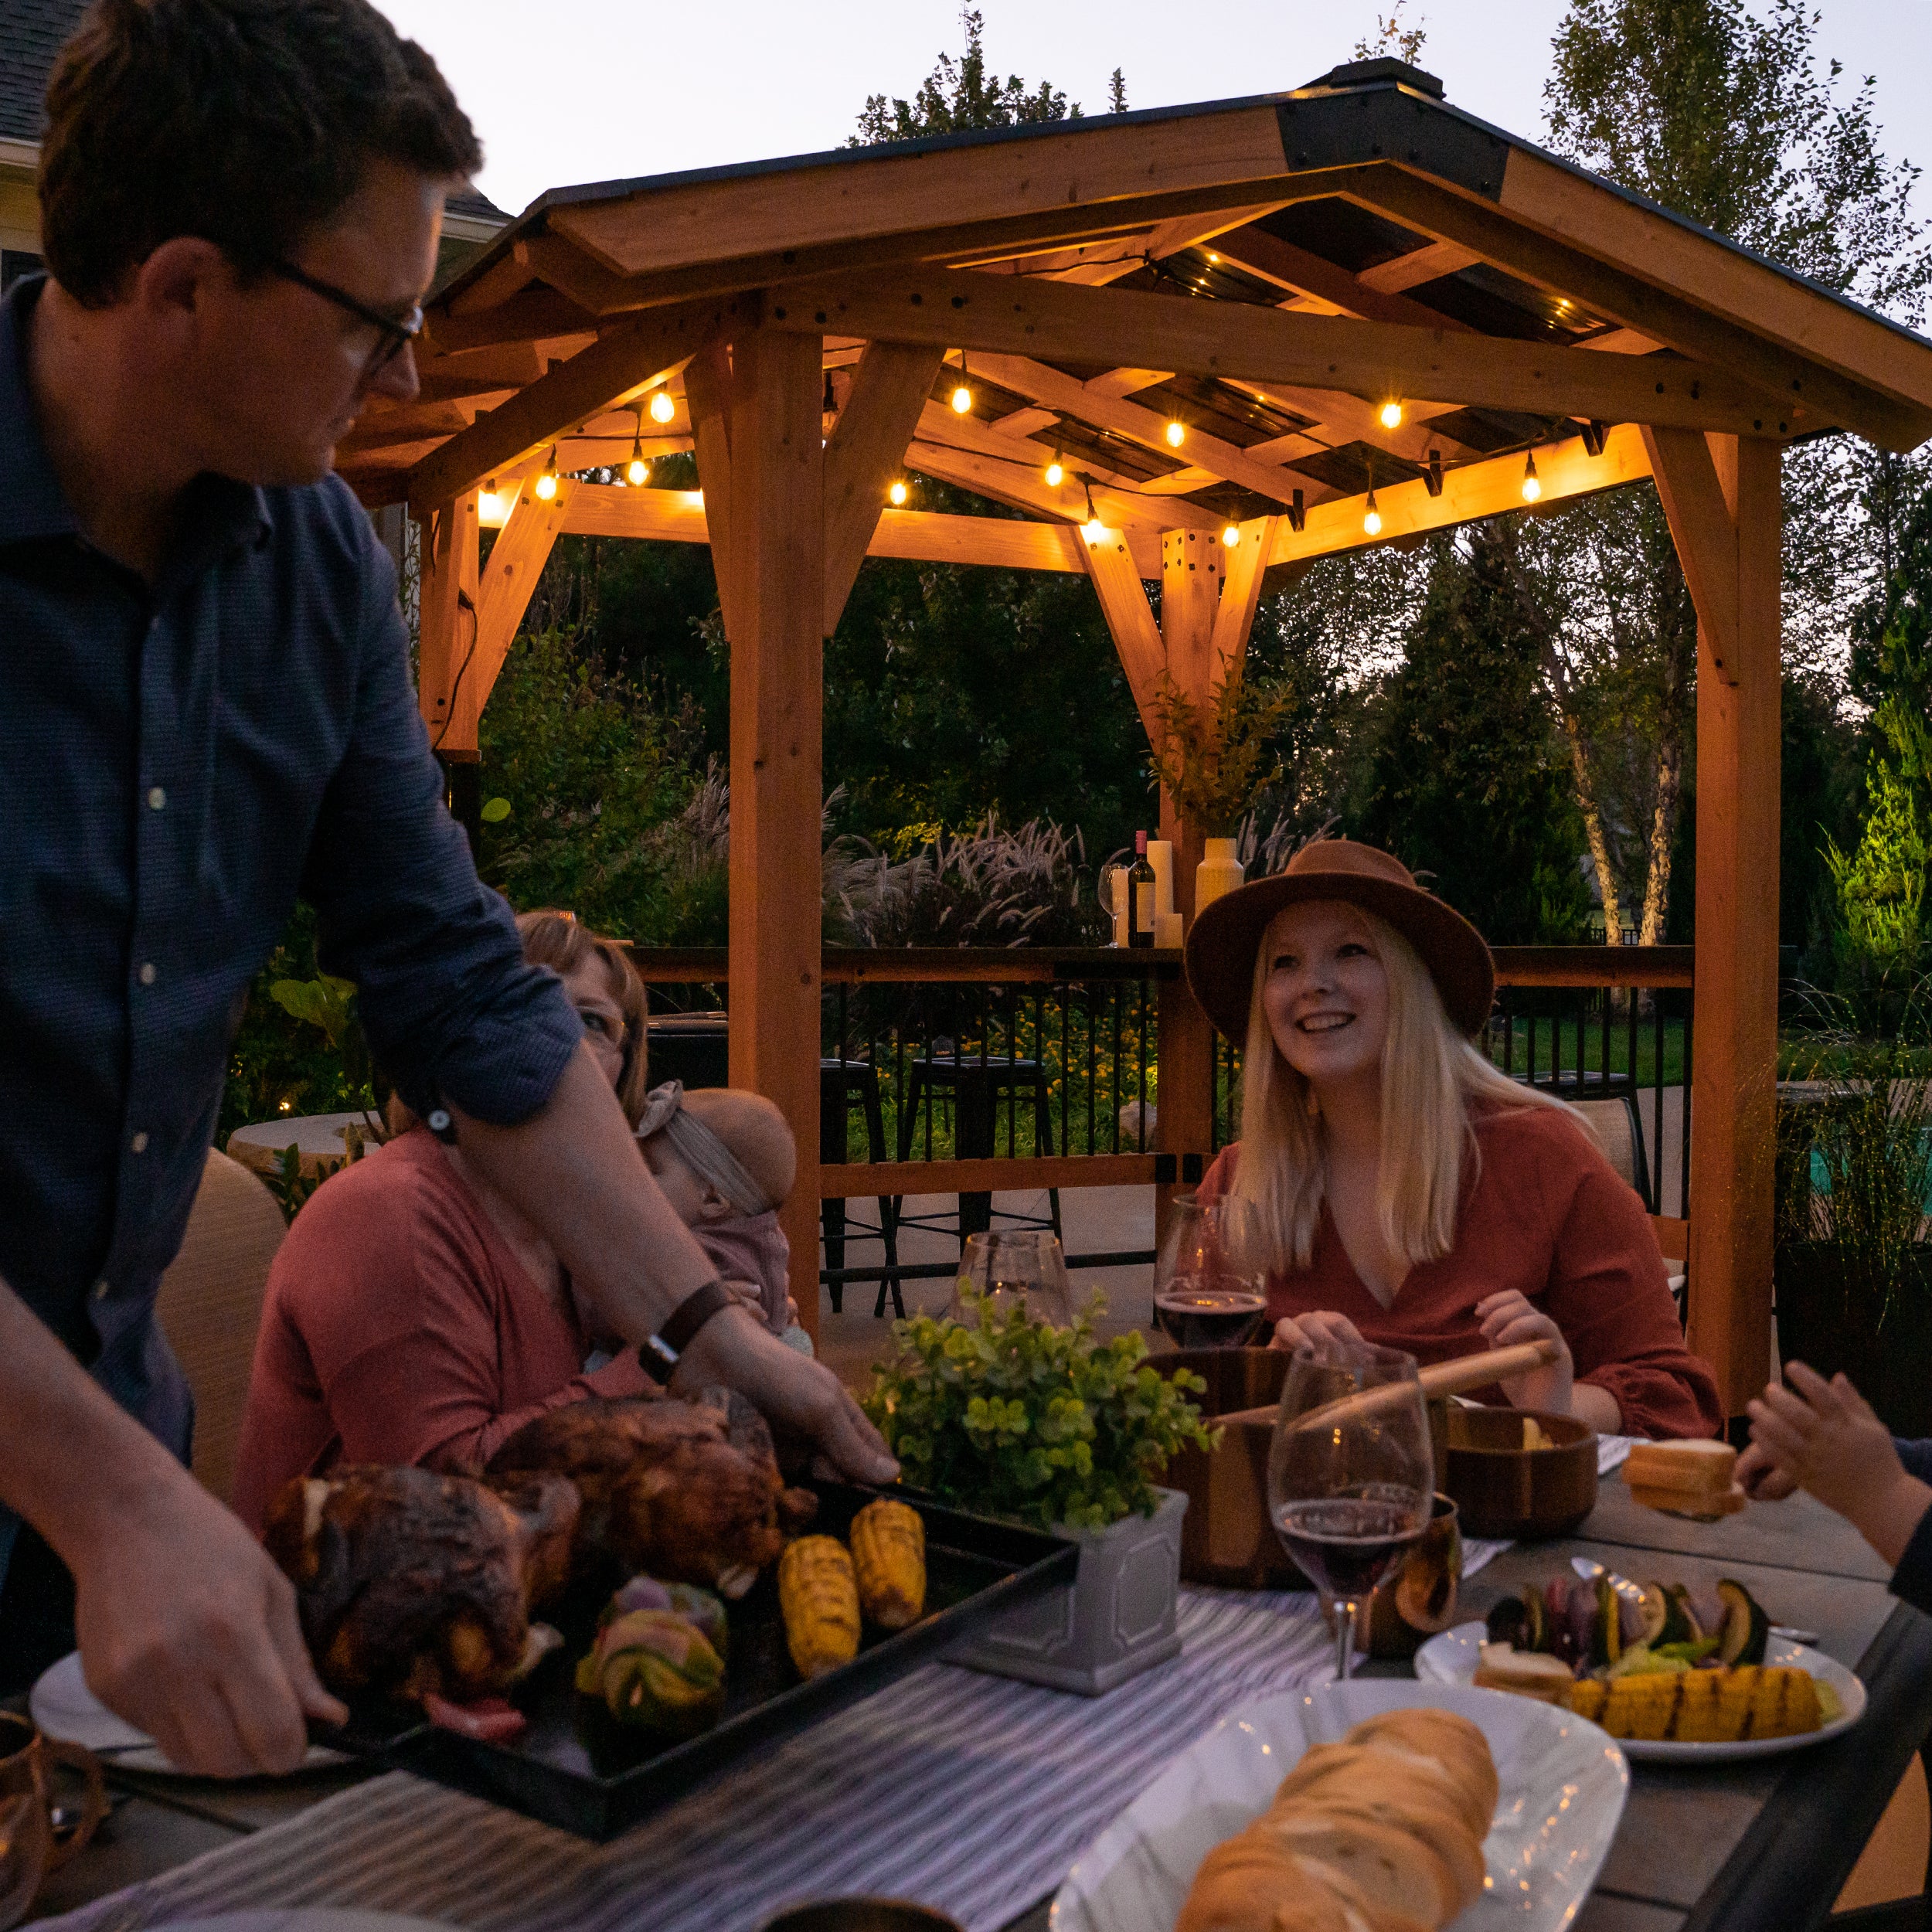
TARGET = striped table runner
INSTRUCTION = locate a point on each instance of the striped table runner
(968, 1792)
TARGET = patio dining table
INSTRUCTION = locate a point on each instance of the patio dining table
(985, 1787)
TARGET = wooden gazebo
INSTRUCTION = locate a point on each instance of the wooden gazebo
(1189, 344)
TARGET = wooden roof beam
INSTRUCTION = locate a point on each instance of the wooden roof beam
(1240, 342)
(939, 425)
(1826, 399)
(1300, 269)
(633, 356)
(1470, 492)
(1427, 264)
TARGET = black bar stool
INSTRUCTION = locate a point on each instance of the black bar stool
(976, 1087)
(840, 1083)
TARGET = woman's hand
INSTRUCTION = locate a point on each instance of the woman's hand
(1507, 1318)
(1761, 1476)
(1319, 1326)
(1825, 1437)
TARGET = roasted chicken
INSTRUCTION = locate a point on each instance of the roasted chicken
(417, 1585)
(688, 1490)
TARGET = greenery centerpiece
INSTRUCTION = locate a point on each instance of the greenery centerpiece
(1008, 1415)
(1214, 756)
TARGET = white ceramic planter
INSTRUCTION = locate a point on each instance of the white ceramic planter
(1116, 1620)
(1219, 872)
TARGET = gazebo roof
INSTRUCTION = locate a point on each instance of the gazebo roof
(1267, 273)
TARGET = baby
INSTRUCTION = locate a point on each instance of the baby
(726, 1161)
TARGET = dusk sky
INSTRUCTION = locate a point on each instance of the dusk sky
(578, 91)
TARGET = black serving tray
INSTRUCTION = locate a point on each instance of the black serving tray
(575, 1768)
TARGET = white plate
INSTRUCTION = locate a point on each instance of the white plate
(1563, 1785)
(63, 1707)
(1451, 1658)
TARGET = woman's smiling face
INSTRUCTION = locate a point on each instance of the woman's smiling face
(1326, 995)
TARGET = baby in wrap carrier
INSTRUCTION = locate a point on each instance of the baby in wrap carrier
(726, 1161)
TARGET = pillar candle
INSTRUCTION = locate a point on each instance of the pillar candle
(1160, 856)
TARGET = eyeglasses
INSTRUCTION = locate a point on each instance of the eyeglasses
(601, 1025)
(393, 333)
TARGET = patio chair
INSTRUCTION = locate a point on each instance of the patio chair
(976, 1086)
(841, 1081)
(1618, 1129)
(210, 1306)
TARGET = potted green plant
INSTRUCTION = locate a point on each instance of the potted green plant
(1008, 1416)
(1213, 758)
(1854, 1268)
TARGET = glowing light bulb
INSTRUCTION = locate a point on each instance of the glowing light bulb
(962, 400)
(489, 504)
(1231, 536)
(1372, 518)
(1055, 473)
(898, 492)
(1391, 415)
(637, 471)
(662, 408)
(1092, 529)
(1176, 435)
(1532, 487)
(546, 483)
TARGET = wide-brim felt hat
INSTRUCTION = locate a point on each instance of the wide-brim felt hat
(1225, 937)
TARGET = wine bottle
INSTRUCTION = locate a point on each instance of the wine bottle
(1141, 884)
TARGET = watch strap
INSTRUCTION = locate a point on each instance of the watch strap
(658, 1354)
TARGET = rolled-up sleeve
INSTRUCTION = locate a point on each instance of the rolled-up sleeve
(449, 1006)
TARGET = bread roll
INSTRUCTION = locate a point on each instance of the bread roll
(1390, 1863)
(1250, 1882)
(1457, 1745)
(1439, 1829)
(1404, 1777)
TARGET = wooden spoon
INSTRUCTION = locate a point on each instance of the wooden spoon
(1439, 1378)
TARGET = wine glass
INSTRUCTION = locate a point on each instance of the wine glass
(1351, 1475)
(1016, 1268)
(1211, 1280)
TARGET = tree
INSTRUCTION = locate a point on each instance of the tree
(958, 95)
(1467, 780)
(1393, 37)
(1724, 115)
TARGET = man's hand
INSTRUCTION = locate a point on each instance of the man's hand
(1825, 1436)
(1762, 1477)
(1319, 1326)
(799, 1395)
(189, 1631)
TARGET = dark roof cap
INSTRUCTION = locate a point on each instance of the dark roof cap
(1366, 73)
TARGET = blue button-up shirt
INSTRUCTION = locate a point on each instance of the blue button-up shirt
(177, 762)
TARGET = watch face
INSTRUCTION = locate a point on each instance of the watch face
(655, 1359)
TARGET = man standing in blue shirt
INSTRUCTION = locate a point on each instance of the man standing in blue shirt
(205, 709)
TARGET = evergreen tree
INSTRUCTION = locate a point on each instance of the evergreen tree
(1467, 780)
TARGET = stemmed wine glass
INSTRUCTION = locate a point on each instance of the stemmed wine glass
(1351, 1475)
(1211, 1280)
(1016, 1268)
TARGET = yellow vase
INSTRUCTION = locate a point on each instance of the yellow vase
(1219, 871)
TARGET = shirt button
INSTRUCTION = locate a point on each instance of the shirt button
(148, 972)
(139, 1144)
(100, 1290)
(157, 797)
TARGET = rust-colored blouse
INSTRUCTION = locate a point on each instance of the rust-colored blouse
(1549, 1216)
(400, 1327)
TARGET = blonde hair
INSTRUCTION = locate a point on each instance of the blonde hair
(1431, 1079)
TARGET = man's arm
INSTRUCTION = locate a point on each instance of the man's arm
(186, 1628)
(574, 1169)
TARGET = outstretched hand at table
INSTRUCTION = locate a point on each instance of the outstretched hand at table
(1823, 1436)
(1318, 1327)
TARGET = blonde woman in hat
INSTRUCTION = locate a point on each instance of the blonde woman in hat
(1409, 1193)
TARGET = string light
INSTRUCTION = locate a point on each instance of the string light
(1176, 432)
(1372, 518)
(1392, 414)
(1056, 472)
(899, 493)
(662, 408)
(546, 483)
(489, 505)
(1533, 486)
(638, 473)
(1092, 529)
(1231, 536)
(962, 395)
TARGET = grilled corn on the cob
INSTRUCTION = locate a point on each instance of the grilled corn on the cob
(889, 1554)
(1702, 1706)
(818, 1596)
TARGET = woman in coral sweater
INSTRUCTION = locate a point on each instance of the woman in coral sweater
(1406, 1191)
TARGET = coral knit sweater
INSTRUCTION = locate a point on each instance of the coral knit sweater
(1549, 1216)
(400, 1327)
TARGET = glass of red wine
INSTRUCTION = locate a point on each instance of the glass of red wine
(1211, 1277)
(1350, 1471)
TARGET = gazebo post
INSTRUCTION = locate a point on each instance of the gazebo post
(772, 578)
(1722, 497)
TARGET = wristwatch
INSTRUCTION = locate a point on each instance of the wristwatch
(658, 1355)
